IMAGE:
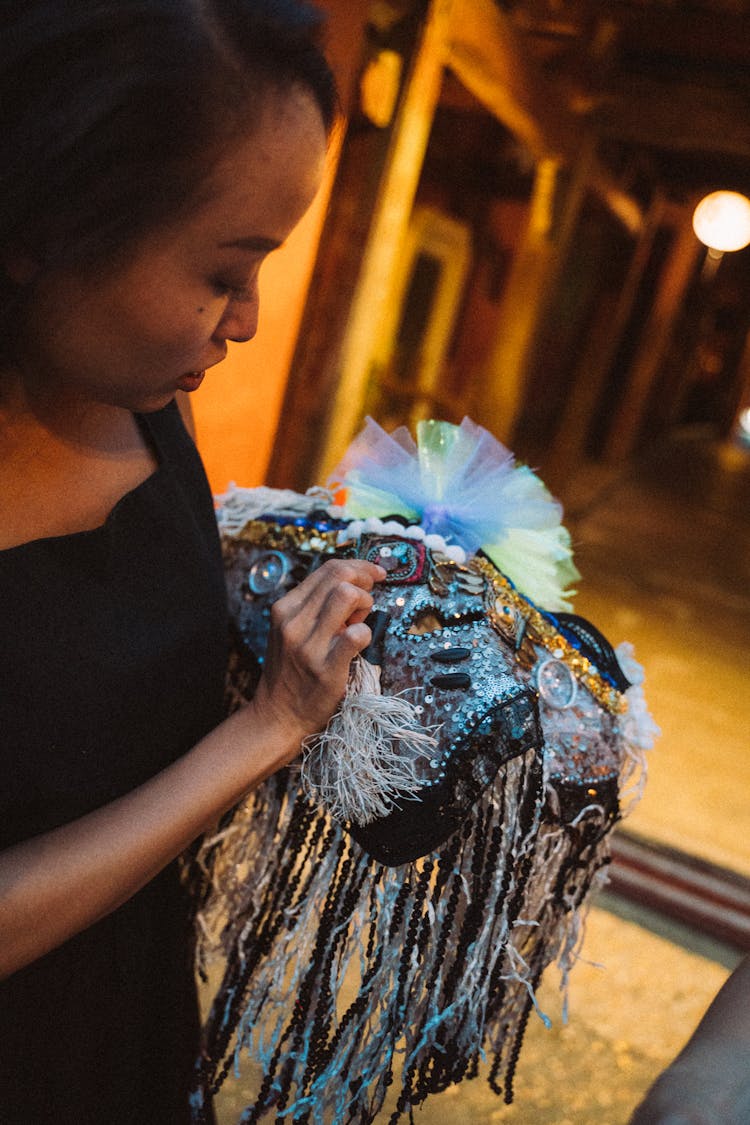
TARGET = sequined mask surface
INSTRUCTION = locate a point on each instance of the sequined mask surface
(440, 651)
(488, 676)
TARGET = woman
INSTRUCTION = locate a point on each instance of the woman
(153, 152)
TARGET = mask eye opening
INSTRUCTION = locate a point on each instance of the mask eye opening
(430, 619)
(426, 620)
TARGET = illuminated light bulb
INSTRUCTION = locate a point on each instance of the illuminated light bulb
(722, 221)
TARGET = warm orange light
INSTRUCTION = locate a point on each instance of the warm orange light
(379, 88)
(722, 220)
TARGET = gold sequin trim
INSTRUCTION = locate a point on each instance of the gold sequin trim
(287, 537)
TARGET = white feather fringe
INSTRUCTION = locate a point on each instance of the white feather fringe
(367, 759)
(637, 729)
(237, 506)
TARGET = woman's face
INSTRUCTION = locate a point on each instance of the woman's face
(133, 336)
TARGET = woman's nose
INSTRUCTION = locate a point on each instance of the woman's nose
(240, 320)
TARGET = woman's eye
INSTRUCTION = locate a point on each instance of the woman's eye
(224, 288)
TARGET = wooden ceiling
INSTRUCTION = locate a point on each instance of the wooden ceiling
(664, 85)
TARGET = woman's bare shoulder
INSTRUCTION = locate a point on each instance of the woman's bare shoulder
(53, 484)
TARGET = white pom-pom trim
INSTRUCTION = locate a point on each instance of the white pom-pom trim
(374, 526)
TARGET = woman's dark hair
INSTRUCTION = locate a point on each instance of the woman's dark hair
(113, 112)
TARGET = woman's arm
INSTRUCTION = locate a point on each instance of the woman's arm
(709, 1081)
(57, 884)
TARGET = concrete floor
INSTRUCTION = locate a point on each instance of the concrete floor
(665, 555)
(664, 551)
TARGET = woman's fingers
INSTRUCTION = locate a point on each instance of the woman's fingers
(334, 572)
(322, 607)
(316, 630)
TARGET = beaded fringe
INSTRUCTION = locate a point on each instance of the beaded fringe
(438, 960)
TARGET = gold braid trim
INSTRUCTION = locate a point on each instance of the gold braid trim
(541, 631)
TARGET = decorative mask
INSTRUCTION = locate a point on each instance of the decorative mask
(439, 837)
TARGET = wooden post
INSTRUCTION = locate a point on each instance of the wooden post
(351, 268)
(654, 342)
(591, 374)
(501, 386)
(387, 238)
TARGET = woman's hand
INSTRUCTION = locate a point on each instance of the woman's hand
(316, 631)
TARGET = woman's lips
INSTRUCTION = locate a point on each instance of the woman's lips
(190, 381)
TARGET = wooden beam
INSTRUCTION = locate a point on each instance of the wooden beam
(316, 371)
(677, 117)
(554, 209)
(491, 58)
(387, 234)
(569, 445)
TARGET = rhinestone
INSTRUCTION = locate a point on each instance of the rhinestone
(556, 683)
(268, 572)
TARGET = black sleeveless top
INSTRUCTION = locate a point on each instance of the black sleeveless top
(112, 660)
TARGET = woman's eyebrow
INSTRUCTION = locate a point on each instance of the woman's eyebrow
(254, 243)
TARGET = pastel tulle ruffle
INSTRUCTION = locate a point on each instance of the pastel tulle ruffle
(461, 483)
